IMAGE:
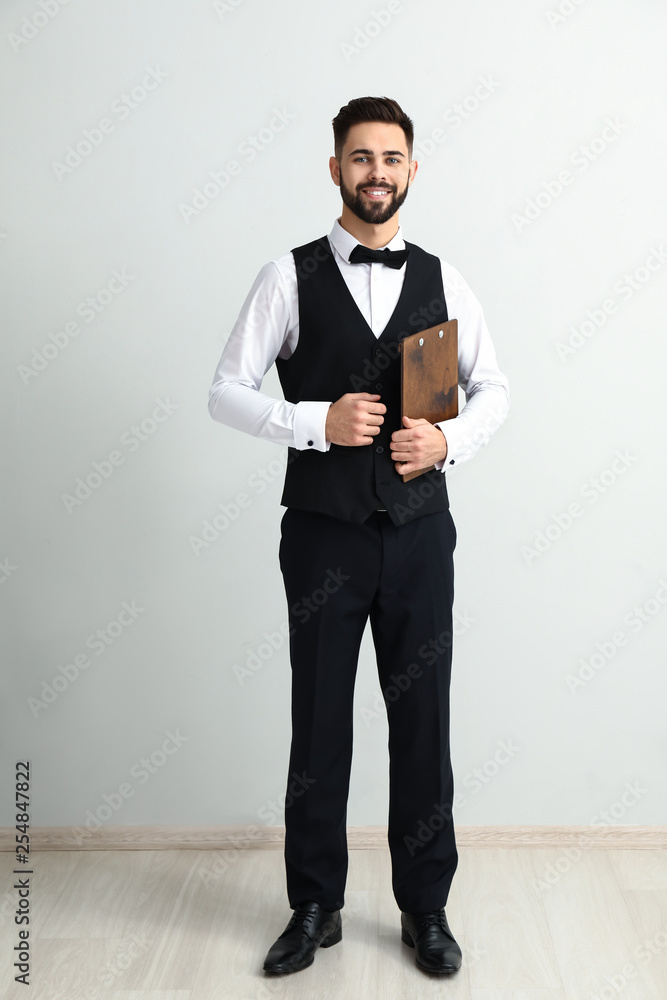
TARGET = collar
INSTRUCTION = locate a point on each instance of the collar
(344, 242)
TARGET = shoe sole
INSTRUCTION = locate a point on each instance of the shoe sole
(326, 942)
(405, 937)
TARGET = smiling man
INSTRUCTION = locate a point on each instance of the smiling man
(377, 202)
(331, 314)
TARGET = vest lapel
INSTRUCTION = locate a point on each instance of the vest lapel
(346, 293)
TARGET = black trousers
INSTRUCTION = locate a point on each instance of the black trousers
(336, 575)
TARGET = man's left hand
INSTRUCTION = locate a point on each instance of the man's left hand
(418, 445)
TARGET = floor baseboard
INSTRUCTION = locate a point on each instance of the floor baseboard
(227, 838)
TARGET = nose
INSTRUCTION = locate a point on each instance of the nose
(376, 172)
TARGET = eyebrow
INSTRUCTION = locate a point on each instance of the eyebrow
(369, 152)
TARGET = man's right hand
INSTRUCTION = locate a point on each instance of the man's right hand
(355, 418)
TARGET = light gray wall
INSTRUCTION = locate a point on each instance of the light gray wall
(528, 618)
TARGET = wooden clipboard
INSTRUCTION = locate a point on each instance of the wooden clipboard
(430, 377)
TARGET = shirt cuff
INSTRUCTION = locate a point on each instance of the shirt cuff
(450, 436)
(310, 417)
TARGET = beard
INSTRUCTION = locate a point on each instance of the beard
(373, 213)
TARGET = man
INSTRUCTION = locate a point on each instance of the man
(356, 540)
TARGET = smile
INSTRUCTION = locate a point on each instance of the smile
(376, 193)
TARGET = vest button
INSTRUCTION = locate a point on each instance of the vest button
(379, 449)
(378, 385)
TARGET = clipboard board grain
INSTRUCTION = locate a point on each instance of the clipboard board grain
(430, 377)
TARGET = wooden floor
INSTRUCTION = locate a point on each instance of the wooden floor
(533, 924)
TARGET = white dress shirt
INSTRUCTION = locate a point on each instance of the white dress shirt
(268, 327)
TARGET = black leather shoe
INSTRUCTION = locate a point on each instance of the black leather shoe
(434, 944)
(310, 928)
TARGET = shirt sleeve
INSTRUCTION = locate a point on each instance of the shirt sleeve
(486, 388)
(260, 334)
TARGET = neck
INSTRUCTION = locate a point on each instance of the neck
(368, 234)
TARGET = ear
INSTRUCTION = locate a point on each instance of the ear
(413, 170)
(334, 170)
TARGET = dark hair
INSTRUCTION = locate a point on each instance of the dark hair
(370, 109)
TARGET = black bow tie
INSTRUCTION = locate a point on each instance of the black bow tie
(392, 258)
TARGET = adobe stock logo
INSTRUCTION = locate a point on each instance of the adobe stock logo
(33, 24)
(93, 137)
(6, 570)
(87, 310)
(223, 7)
(247, 151)
(594, 488)
(141, 770)
(102, 469)
(581, 158)
(624, 289)
(364, 34)
(565, 9)
(456, 115)
(98, 642)
(605, 650)
(308, 606)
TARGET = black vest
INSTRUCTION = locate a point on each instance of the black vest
(337, 352)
